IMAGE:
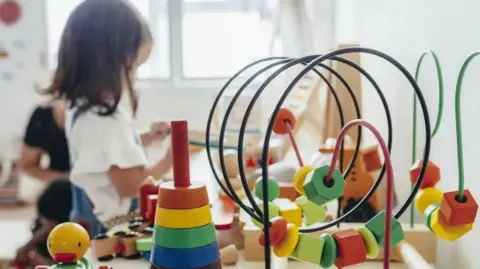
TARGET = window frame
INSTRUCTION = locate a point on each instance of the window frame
(175, 11)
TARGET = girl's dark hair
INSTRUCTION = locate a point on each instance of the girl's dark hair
(98, 47)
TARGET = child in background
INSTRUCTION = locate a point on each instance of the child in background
(103, 44)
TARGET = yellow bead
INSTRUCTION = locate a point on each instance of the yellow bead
(370, 242)
(427, 197)
(288, 243)
(183, 218)
(445, 232)
(299, 177)
(289, 211)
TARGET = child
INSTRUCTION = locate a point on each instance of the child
(103, 44)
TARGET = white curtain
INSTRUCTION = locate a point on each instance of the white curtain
(306, 26)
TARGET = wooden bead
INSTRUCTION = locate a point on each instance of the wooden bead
(278, 230)
(329, 252)
(370, 242)
(426, 197)
(185, 258)
(287, 190)
(299, 177)
(273, 211)
(309, 249)
(185, 238)
(312, 212)
(284, 115)
(377, 226)
(456, 212)
(171, 197)
(289, 210)
(273, 188)
(320, 192)
(183, 218)
(444, 231)
(285, 247)
(428, 214)
(431, 177)
(351, 248)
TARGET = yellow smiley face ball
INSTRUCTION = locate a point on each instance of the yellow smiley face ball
(68, 242)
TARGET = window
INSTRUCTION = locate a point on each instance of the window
(194, 39)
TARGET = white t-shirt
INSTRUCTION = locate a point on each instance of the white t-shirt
(97, 143)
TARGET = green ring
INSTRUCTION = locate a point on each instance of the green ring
(428, 214)
(329, 253)
(185, 237)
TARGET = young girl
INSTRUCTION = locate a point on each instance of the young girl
(103, 43)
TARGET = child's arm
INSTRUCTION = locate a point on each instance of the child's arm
(30, 165)
(158, 131)
(127, 181)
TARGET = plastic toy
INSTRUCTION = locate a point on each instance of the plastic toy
(342, 247)
(67, 244)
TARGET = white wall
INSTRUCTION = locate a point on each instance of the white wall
(404, 29)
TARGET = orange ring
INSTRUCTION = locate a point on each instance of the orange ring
(284, 115)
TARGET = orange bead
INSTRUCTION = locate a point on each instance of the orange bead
(456, 212)
(284, 116)
(278, 230)
(431, 177)
(351, 248)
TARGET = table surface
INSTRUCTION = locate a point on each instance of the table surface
(15, 228)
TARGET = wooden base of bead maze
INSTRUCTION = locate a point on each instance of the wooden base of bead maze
(419, 237)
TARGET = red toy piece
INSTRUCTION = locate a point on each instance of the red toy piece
(147, 189)
(455, 212)
(278, 230)
(432, 174)
(180, 152)
(350, 248)
(284, 118)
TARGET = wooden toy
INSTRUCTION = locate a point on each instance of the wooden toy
(289, 210)
(351, 248)
(299, 177)
(278, 230)
(273, 211)
(445, 231)
(377, 226)
(288, 243)
(307, 248)
(183, 211)
(67, 244)
(104, 245)
(312, 212)
(148, 188)
(229, 255)
(273, 189)
(432, 174)
(455, 211)
(426, 197)
(329, 251)
(287, 190)
(321, 191)
(371, 243)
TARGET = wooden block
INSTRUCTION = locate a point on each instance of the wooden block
(420, 237)
(317, 191)
(151, 207)
(103, 246)
(184, 238)
(458, 213)
(194, 196)
(146, 189)
(287, 190)
(351, 249)
(377, 226)
(371, 159)
(183, 218)
(309, 248)
(288, 243)
(185, 258)
(128, 241)
(432, 174)
(290, 211)
(312, 212)
(444, 231)
(229, 255)
(144, 244)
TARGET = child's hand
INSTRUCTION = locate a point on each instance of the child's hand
(160, 130)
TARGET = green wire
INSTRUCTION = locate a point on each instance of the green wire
(458, 122)
(439, 112)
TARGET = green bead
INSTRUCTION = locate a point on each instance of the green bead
(428, 214)
(320, 193)
(312, 212)
(273, 188)
(329, 252)
(377, 226)
(308, 248)
(144, 244)
(273, 211)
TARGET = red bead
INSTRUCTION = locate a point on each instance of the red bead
(278, 230)
(431, 177)
(351, 248)
(456, 212)
(285, 116)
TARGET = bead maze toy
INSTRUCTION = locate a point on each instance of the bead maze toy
(448, 216)
(67, 244)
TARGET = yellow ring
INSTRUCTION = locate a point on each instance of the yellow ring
(183, 218)
(288, 243)
(299, 177)
(370, 242)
